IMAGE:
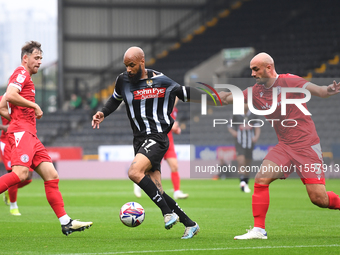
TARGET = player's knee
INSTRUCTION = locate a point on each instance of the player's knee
(21, 173)
(174, 168)
(131, 174)
(134, 174)
(30, 174)
(263, 181)
(22, 176)
(55, 175)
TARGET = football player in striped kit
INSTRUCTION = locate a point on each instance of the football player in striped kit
(149, 97)
(245, 138)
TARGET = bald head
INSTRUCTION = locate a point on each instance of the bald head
(263, 58)
(263, 69)
(134, 53)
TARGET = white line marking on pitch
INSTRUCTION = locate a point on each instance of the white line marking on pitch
(209, 249)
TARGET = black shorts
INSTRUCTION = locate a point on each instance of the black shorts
(247, 152)
(152, 146)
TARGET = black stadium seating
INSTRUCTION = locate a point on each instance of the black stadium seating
(300, 36)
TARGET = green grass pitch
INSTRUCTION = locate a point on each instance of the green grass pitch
(294, 225)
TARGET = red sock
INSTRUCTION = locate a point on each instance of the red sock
(260, 203)
(24, 183)
(175, 180)
(8, 180)
(12, 193)
(334, 200)
(54, 197)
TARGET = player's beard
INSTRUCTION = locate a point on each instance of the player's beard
(265, 78)
(134, 79)
(262, 81)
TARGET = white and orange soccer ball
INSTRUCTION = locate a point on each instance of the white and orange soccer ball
(132, 214)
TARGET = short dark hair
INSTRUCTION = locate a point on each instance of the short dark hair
(29, 47)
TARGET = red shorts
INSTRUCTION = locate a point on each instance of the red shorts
(6, 153)
(307, 162)
(27, 150)
(170, 153)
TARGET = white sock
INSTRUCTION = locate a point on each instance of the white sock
(13, 205)
(64, 219)
(261, 230)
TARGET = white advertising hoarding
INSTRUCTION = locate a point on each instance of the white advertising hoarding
(126, 153)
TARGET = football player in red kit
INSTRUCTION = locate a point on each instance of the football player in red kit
(10, 196)
(18, 105)
(171, 157)
(298, 149)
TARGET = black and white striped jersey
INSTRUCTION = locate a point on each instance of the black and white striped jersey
(149, 102)
(245, 132)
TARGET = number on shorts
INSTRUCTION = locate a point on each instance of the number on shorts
(147, 144)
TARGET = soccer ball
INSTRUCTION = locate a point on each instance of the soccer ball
(132, 214)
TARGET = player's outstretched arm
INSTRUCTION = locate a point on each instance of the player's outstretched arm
(191, 94)
(333, 89)
(97, 119)
(226, 97)
(110, 106)
(324, 91)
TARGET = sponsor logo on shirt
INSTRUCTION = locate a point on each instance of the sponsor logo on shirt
(268, 106)
(21, 78)
(33, 90)
(149, 93)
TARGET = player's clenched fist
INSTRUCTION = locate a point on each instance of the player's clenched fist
(97, 118)
(38, 112)
(224, 97)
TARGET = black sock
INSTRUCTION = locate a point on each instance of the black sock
(153, 192)
(182, 216)
(244, 179)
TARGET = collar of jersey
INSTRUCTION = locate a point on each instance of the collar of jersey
(277, 76)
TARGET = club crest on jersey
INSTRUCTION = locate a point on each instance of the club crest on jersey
(21, 78)
(24, 158)
(149, 83)
(149, 93)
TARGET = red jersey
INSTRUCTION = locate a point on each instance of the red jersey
(4, 122)
(22, 118)
(304, 133)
